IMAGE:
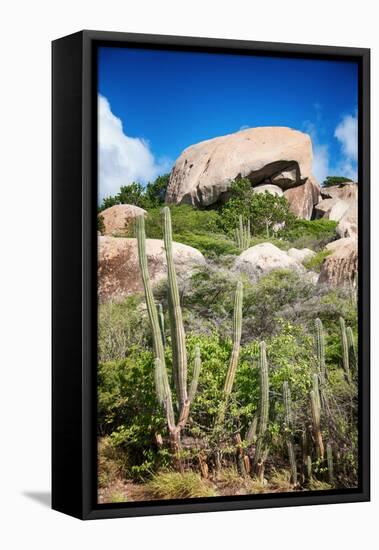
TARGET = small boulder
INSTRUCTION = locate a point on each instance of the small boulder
(303, 198)
(260, 259)
(341, 267)
(301, 254)
(118, 266)
(338, 210)
(269, 188)
(119, 217)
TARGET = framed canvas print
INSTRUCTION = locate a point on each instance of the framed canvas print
(210, 274)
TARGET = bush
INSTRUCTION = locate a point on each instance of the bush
(315, 263)
(264, 210)
(314, 234)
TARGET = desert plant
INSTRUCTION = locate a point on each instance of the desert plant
(329, 456)
(320, 349)
(233, 363)
(316, 417)
(288, 430)
(351, 348)
(179, 352)
(242, 234)
(261, 450)
(344, 348)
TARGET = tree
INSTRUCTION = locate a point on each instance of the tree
(135, 193)
(264, 210)
(335, 180)
(156, 191)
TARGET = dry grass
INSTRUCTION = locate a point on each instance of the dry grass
(171, 485)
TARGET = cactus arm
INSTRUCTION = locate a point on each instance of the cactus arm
(329, 456)
(195, 375)
(288, 426)
(164, 392)
(237, 330)
(344, 348)
(161, 323)
(261, 449)
(315, 409)
(320, 349)
(252, 431)
(150, 303)
(177, 333)
(351, 347)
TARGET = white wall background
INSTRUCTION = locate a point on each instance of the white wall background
(27, 29)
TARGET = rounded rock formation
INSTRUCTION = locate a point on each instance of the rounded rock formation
(118, 267)
(263, 258)
(276, 156)
(118, 218)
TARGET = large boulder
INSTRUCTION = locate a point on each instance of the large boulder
(341, 267)
(276, 156)
(118, 268)
(303, 198)
(263, 258)
(323, 207)
(118, 218)
(348, 223)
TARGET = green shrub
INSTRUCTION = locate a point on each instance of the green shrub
(315, 263)
(314, 234)
(263, 210)
(334, 180)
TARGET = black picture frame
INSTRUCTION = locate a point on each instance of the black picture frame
(74, 295)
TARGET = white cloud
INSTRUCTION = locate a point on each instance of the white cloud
(347, 134)
(320, 166)
(122, 159)
(320, 162)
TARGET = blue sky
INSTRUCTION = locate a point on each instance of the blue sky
(153, 104)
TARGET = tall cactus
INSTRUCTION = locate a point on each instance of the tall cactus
(344, 348)
(351, 347)
(320, 349)
(242, 234)
(329, 456)
(288, 430)
(316, 418)
(233, 363)
(178, 337)
(179, 352)
(261, 449)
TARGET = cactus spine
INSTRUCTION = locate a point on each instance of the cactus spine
(329, 456)
(242, 234)
(177, 335)
(288, 427)
(344, 348)
(261, 447)
(320, 349)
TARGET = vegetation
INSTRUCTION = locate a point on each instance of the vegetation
(134, 193)
(214, 385)
(334, 180)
